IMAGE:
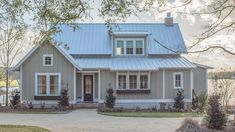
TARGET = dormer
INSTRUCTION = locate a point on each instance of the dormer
(129, 43)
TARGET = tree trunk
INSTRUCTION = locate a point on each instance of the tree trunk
(7, 85)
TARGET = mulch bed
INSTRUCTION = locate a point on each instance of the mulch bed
(35, 110)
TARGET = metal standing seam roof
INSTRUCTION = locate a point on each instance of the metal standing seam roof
(134, 63)
(93, 38)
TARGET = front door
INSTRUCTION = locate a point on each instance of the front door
(88, 88)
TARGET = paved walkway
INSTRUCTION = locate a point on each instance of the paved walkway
(87, 120)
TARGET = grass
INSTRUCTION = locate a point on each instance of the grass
(152, 114)
(19, 128)
(13, 83)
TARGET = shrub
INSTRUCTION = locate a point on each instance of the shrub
(42, 105)
(179, 101)
(137, 109)
(215, 116)
(189, 125)
(64, 99)
(202, 102)
(15, 102)
(110, 98)
(30, 105)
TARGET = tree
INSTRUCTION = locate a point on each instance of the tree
(179, 100)
(64, 98)
(215, 116)
(10, 48)
(110, 98)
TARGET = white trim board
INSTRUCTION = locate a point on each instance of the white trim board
(64, 53)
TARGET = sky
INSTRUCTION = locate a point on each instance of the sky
(191, 27)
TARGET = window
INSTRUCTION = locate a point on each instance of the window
(120, 47)
(139, 47)
(143, 81)
(133, 81)
(47, 84)
(178, 80)
(129, 46)
(48, 60)
(122, 81)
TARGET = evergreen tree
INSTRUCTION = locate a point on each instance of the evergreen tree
(215, 116)
(64, 99)
(110, 98)
(15, 102)
(179, 100)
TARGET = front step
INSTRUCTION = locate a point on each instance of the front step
(86, 105)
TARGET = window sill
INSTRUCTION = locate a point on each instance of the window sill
(46, 97)
(146, 91)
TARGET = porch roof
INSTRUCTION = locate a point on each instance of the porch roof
(134, 63)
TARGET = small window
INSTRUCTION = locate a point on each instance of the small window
(129, 47)
(122, 81)
(47, 60)
(143, 81)
(178, 80)
(133, 81)
(120, 47)
(139, 47)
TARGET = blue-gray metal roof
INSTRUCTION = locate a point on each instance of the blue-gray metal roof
(94, 38)
(134, 63)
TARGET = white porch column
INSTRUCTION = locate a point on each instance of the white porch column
(163, 84)
(99, 101)
(74, 85)
(191, 82)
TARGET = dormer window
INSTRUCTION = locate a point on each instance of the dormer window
(129, 46)
(48, 60)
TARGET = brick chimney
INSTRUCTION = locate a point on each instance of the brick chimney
(168, 19)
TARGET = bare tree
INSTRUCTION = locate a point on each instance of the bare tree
(10, 48)
(223, 86)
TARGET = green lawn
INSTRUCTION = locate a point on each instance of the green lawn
(18, 128)
(152, 114)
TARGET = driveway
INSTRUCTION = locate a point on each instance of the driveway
(87, 120)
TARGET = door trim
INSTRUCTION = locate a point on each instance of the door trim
(93, 82)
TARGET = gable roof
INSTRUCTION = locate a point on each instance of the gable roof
(62, 51)
(94, 38)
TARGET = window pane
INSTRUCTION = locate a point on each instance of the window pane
(133, 81)
(54, 84)
(122, 81)
(177, 80)
(129, 47)
(41, 85)
(143, 81)
(120, 47)
(139, 47)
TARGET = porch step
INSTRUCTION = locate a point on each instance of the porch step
(86, 105)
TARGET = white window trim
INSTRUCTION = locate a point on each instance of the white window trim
(47, 83)
(134, 46)
(181, 81)
(47, 55)
(127, 79)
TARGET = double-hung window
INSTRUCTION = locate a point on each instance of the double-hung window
(122, 81)
(129, 46)
(143, 81)
(133, 81)
(47, 84)
(120, 47)
(178, 80)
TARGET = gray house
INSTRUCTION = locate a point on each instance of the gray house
(142, 62)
